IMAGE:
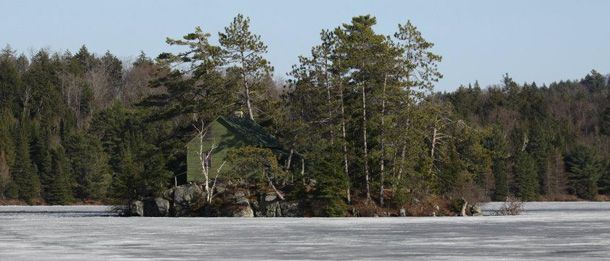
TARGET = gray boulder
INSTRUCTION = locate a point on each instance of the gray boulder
(221, 187)
(272, 209)
(291, 209)
(162, 206)
(169, 194)
(187, 194)
(403, 212)
(187, 199)
(270, 196)
(269, 205)
(476, 210)
(136, 208)
(240, 205)
(240, 199)
(156, 207)
(243, 211)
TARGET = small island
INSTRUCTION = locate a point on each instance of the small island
(355, 129)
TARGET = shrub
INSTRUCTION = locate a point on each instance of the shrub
(511, 206)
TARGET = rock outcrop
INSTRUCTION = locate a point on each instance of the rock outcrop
(230, 200)
(156, 207)
(238, 205)
(136, 208)
(186, 199)
(476, 210)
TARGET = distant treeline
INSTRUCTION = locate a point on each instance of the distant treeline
(360, 109)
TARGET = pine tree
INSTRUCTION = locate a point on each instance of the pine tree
(358, 45)
(243, 51)
(198, 91)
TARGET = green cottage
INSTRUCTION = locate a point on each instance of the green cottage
(226, 133)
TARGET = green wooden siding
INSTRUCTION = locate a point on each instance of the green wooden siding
(227, 134)
(224, 139)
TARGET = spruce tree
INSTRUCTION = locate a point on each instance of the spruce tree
(327, 169)
(496, 143)
(526, 177)
(60, 188)
(23, 172)
(585, 167)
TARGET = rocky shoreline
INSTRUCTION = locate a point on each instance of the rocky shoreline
(230, 200)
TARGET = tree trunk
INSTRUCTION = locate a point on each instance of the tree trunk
(330, 110)
(403, 156)
(246, 87)
(381, 161)
(289, 161)
(432, 149)
(366, 158)
(277, 192)
(303, 170)
(343, 132)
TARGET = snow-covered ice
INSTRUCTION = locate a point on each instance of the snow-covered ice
(550, 231)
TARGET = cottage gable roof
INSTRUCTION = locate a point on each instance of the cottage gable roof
(250, 131)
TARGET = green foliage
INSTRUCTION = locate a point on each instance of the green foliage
(243, 52)
(10, 84)
(331, 182)
(5, 175)
(605, 117)
(60, 187)
(500, 172)
(90, 167)
(23, 172)
(526, 177)
(361, 105)
(585, 167)
(255, 163)
(604, 182)
(196, 90)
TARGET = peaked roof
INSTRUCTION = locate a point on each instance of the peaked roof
(250, 131)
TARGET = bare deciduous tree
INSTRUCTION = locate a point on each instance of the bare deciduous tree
(205, 159)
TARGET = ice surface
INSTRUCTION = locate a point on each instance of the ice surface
(549, 231)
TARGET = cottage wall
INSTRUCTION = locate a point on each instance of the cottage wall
(224, 139)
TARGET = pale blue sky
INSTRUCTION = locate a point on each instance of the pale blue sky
(540, 41)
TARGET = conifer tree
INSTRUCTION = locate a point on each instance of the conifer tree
(86, 60)
(195, 88)
(60, 188)
(526, 178)
(244, 51)
(358, 46)
(585, 167)
(23, 172)
(10, 84)
(496, 143)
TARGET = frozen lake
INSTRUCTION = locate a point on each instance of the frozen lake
(551, 231)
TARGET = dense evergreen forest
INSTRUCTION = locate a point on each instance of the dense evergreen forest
(82, 127)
